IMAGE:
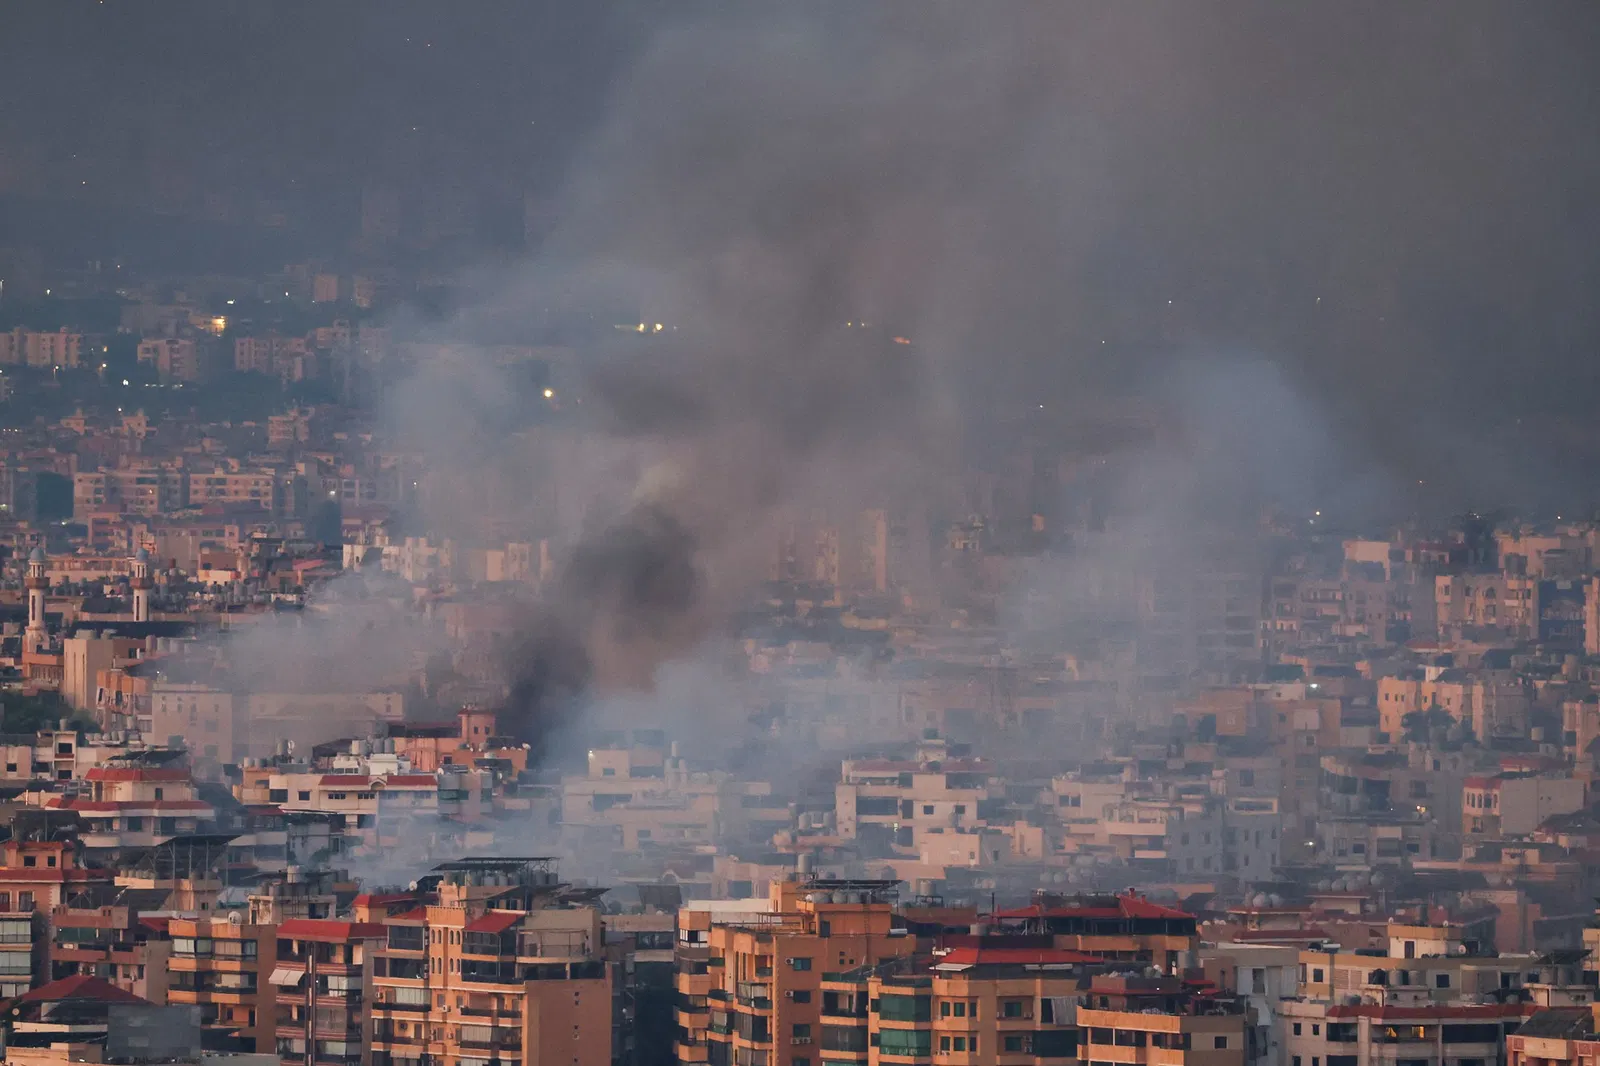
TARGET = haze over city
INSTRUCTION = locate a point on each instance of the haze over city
(794, 535)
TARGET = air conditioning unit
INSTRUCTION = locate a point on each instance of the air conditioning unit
(789, 994)
(800, 1040)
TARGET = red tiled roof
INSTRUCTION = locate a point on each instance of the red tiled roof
(494, 922)
(1012, 956)
(416, 914)
(79, 987)
(412, 780)
(328, 929)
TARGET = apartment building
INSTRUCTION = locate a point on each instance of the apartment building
(146, 490)
(1515, 804)
(1494, 601)
(1186, 835)
(40, 875)
(895, 804)
(322, 980)
(272, 354)
(1260, 975)
(750, 977)
(174, 358)
(1424, 1034)
(252, 488)
(24, 951)
(103, 934)
(370, 807)
(1160, 1021)
(504, 964)
(632, 798)
(134, 802)
(223, 966)
(970, 1004)
(193, 715)
(41, 349)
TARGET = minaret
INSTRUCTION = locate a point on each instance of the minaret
(37, 585)
(141, 586)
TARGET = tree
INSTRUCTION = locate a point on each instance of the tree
(1419, 725)
(29, 714)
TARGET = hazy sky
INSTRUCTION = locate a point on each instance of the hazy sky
(1396, 203)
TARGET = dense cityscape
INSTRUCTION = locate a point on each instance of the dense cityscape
(695, 537)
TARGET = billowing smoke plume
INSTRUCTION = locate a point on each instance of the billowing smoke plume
(878, 241)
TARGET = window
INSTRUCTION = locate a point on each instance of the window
(30, 860)
(961, 808)
(959, 1008)
(1441, 980)
(1297, 1029)
(800, 964)
(905, 1009)
(927, 808)
(1012, 1008)
(1015, 1044)
(305, 795)
(802, 995)
(1221, 1042)
(161, 793)
(909, 1042)
(944, 1043)
(1316, 1028)
(802, 1031)
(1316, 975)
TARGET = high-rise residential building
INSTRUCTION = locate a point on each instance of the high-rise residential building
(503, 964)
(1159, 1020)
(175, 358)
(102, 933)
(222, 966)
(322, 980)
(24, 939)
(969, 1004)
(750, 976)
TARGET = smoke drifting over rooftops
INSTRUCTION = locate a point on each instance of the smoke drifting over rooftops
(1008, 192)
(1308, 240)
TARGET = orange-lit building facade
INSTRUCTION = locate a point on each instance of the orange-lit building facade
(750, 981)
(223, 967)
(504, 964)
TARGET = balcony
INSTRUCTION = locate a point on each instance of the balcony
(511, 1042)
